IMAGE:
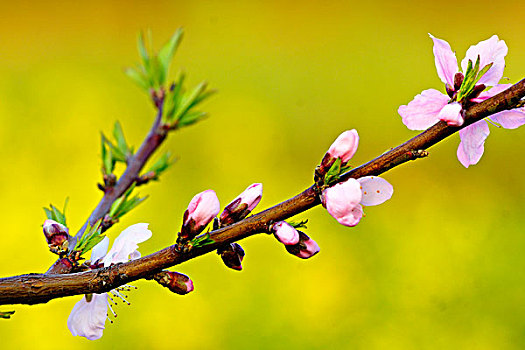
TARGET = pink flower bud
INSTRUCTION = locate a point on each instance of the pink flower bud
(176, 282)
(344, 146)
(57, 236)
(285, 233)
(241, 206)
(342, 202)
(232, 255)
(306, 248)
(201, 210)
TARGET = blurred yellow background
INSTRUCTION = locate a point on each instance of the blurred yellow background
(439, 266)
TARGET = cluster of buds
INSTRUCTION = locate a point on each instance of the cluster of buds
(344, 200)
(57, 236)
(296, 242)
(176, 282)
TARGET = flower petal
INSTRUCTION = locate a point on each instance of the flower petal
(285, 233)
(87, 319)
(100, 250)
(493, 51)
(472, 143)
(421, 113)
(126, 243)
(203, 208)
(345, 146)
(446, 62)
(491, 92)
(451, 114)
(341, 201)
(510, 119)
(376, 190)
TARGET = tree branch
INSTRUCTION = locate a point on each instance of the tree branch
(40, 288)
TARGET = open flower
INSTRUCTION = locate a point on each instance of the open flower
(430, 106)
(344, 200)
(88, 317)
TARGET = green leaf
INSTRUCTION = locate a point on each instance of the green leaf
(483, 71)
(191, 118)
(118, 134)
(202, 240)
(53, 213)
(167, 52)
(161, 164)
(300, 224)
(187, 101)
(142, 51)
(138, 77)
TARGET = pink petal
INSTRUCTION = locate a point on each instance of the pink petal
(472, 143)
(312, 248)
(100, 250)
(451, 114)
(203, 208)
(491, 50)
(87, 319)
(341, 201)
(375, 190)
(345, 146)
(446, 62)
(491, 92)
(251, 196)
(511, 119)
(421, 113)
(127, 243)
(285, 233)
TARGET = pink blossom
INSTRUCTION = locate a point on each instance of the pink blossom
(285, 233)
(345, 146)
(431, 105)
(344, 200)
(473, 137)
(241, 206)
(202, 209)
(305, 249)
(88, 317)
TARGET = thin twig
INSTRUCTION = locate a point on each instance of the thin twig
(40, 288)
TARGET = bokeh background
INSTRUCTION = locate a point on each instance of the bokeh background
(440, 265)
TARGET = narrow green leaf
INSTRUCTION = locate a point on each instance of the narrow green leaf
(483, 71)
(188, 100)
(142, 51)
(6, 314)
(138, 77)
(118, 134)
(167, 52)
(49, 213)
(191, 118)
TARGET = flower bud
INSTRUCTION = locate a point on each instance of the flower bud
(285, 233)
(174, 281)
(458, 80)
(57, 236)
(306, 248)
(241, 206)
(344, 147)
(201, 210)
(342, 202)
(232, 255)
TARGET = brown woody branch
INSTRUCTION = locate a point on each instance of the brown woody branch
(40, 288)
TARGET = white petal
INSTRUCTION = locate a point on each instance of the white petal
(493, 51)
(375, 190)
(421, 113)
(510, 119)
(100, 250)
(126, 243)
(445, 59)
(471, 147)
(87, 319)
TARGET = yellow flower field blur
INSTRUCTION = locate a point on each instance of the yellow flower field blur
(439, 266)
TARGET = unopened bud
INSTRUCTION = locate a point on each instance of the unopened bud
(232, 255)
(57, 236)
(201, 210)
(458, 80)
(241, 206)
(478, 89)
(306, 248)
(174, 281)
(285, 233)
(344, 147)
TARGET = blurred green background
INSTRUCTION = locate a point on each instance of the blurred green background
(440, 265)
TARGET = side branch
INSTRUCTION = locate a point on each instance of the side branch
(39, 288)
